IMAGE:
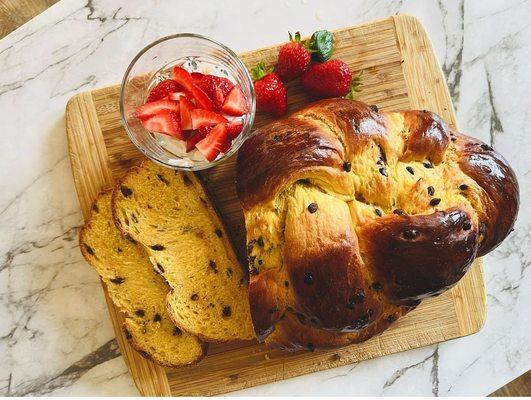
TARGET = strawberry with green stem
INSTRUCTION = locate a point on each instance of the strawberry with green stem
(271, 95)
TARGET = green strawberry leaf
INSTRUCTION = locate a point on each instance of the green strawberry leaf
(260, 71)
(321, 45)
(296, 38)
(355, 87)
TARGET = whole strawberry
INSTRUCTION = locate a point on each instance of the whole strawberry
(329, 79)
(270, 92)
(293, 59)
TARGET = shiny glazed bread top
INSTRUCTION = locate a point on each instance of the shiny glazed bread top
(352, 213)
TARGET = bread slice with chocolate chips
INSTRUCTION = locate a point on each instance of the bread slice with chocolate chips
(170, 214)
(136, 290)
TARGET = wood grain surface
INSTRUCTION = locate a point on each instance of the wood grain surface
(400, 71)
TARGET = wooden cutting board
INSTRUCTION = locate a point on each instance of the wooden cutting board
(400, 71)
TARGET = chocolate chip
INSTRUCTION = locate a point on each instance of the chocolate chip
(260, 261)
(286, 283)
(486, 147)
(126, 192)
(427, 164)
(410, 234)
(391, 318)
(376, 286)
(157, 318)
(229, 273)
(374, 108)
(463, 186)
(431, 190)
(311, 347)
(276, 138)
(134, 218)
(218, 232)
(89, 249)
(95, 208)
(140, 312)
(119, 249)
(163, 179)
(118, 280)
(212, 266)
(128, 334)
(360, 323)
(160, 268)
(398, 211)
(227, 311)
(347, 166)
(467, 225)
(410, 170)
(273, 310)
(312, 207)
(260, 241)
(453, 139)
(383, 171)
(194, 297)
(177, 331)
(186, 180)
(253, 271)
(157, 247)
(378, 212)
(435, 201)
(308, 278)
(357, 298)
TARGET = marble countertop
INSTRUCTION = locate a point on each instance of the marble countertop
(55, 334)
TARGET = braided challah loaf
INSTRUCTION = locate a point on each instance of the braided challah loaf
(354, 215)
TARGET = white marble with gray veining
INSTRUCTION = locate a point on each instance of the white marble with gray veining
(55, 335)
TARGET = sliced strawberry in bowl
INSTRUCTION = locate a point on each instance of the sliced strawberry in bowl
(215, 87)
(202, 117)
(234, 129)
(162, 89)
(178, 95)
(235, 103)
(165, 121)
(186, 108)
(149, 109)
(199, 135)
(183, 77)
(212, 144)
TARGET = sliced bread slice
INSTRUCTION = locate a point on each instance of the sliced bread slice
(170, 214)
(136, 290)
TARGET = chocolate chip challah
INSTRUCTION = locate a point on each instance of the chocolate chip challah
(354, 215)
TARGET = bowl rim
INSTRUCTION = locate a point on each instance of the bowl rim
(246, 133)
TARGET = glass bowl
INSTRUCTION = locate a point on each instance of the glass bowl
(153, 64)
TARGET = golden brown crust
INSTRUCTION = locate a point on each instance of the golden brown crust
(350, 211)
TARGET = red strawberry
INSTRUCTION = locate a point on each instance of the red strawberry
(183, 77)
(270, 91)
(186, 108)
(165, 121)
(293, 59)
(211, 145)
(329, 79)
(161, 90)
(149, 109)
(235, 103)
(234, 129)
(196, 76)
(215, 87)
(204, 117)
(177, 95)
(199, 134)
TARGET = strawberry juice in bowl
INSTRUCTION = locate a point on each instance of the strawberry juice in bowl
(187, 102)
